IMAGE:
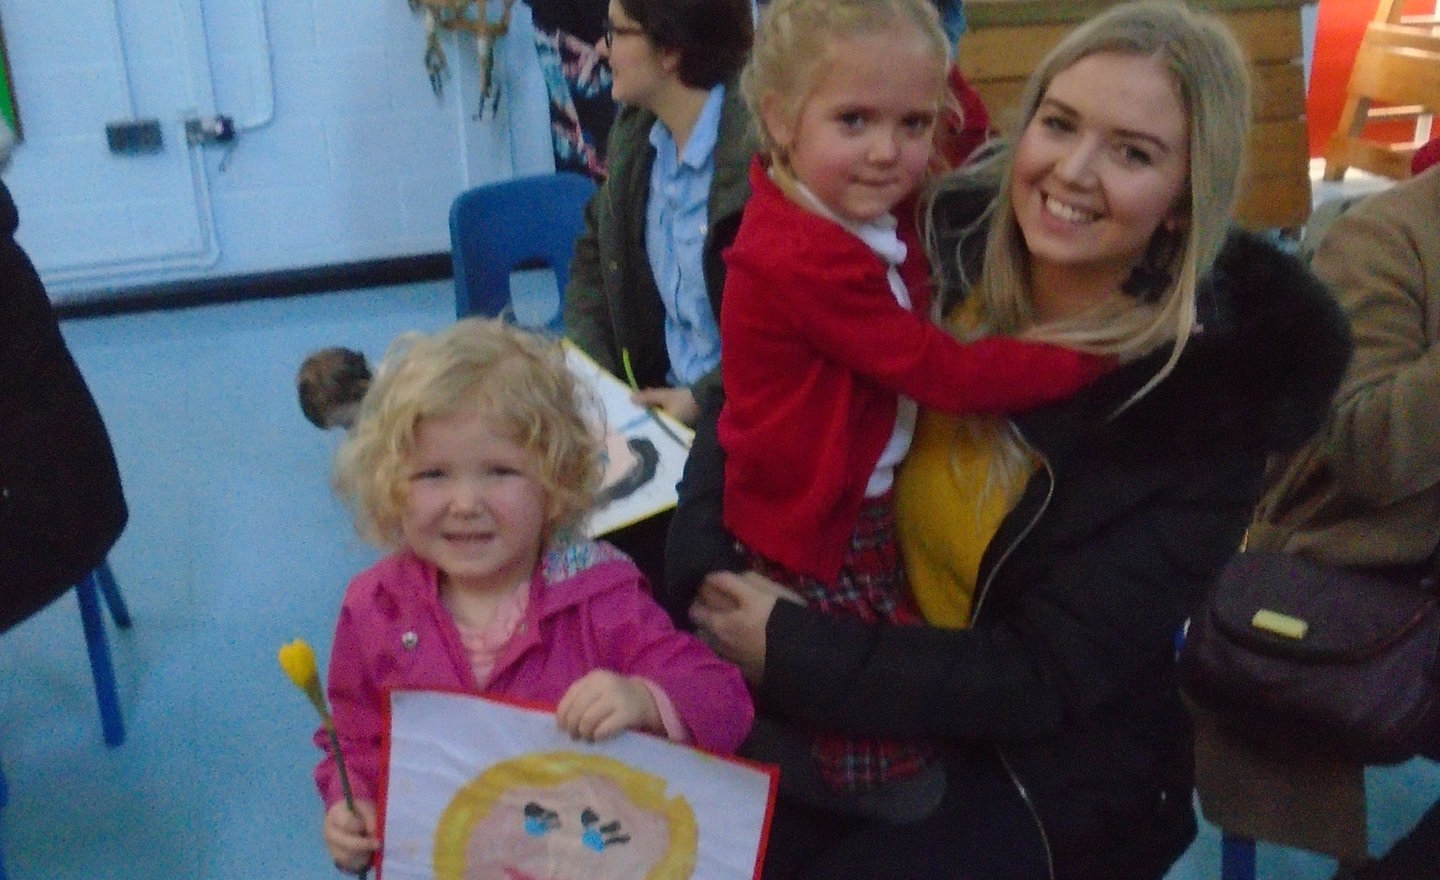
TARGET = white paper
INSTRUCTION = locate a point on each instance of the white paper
(447, 750)
(634, 433)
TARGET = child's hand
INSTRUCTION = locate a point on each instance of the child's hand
(602, 704)
(350, 838)
(679, 403)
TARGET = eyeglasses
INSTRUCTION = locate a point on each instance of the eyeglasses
(612, 29)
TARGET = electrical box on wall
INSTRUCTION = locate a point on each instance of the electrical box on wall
(134, 136)
(209, 130)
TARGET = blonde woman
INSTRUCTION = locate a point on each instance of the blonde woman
(1056, 554)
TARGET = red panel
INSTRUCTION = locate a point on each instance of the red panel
(1339, 27)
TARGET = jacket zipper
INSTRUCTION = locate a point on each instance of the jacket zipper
(979, 604)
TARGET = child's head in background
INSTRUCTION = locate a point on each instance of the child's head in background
(331, 383)
(471, 449)
(846, 95)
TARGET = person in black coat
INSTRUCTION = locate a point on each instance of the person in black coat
(61, 505)
(1057, 555)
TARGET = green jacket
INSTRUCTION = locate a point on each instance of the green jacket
(611, 301)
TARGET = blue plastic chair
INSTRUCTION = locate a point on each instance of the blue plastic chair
(101, 583)
(514, 225)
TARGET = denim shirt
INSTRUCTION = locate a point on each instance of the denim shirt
(675, 229)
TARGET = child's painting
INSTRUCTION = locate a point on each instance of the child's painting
(645, 450)
(483, 790)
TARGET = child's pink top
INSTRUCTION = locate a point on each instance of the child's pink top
(587, 608)
(483, 645)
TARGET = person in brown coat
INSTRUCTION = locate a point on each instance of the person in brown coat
(1365, 493)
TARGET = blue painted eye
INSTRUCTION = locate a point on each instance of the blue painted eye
(540, 821)
(592, 840)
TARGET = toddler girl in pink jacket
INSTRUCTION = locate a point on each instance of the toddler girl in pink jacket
(472, 460)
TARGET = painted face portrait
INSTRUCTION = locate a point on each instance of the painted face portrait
(565, 816)
(630, 463)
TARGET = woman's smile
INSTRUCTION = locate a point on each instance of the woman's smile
(1067, 212)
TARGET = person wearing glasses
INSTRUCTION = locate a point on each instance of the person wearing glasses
(646, 277)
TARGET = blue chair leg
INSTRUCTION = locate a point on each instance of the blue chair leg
(4, 797)
(1237, 858)
(111, 591)
(96, 643)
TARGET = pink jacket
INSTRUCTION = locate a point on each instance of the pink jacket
(588, 610)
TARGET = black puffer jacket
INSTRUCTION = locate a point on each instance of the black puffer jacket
(61, 507)
(1068, 668)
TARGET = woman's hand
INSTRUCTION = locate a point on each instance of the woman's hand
(679, 403)
(731, 612)
(602, 705)
(350, 836)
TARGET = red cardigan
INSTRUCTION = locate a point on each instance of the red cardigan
(814, 353)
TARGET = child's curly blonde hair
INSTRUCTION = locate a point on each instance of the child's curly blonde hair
(518, 379)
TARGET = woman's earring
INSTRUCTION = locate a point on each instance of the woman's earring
(1150, 278)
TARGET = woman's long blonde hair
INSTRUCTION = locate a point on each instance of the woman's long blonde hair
(1208, 68)
(1209, 71)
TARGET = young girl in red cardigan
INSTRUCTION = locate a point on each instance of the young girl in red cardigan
(827, 347)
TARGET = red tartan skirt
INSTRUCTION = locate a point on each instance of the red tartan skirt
(871, 587)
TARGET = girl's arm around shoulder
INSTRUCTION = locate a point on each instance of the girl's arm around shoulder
(1000, 374)
(708, 693)
(854, 320)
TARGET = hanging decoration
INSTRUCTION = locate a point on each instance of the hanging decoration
(468, 16)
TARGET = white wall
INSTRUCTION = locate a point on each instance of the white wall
(344, 152)
(353, 158)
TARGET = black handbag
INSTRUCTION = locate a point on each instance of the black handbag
(1288, 652)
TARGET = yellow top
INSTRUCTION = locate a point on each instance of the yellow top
(945, 516)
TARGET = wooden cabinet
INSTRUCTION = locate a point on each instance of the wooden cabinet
(1008, 38)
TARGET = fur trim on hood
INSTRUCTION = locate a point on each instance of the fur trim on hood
(1271, 350)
